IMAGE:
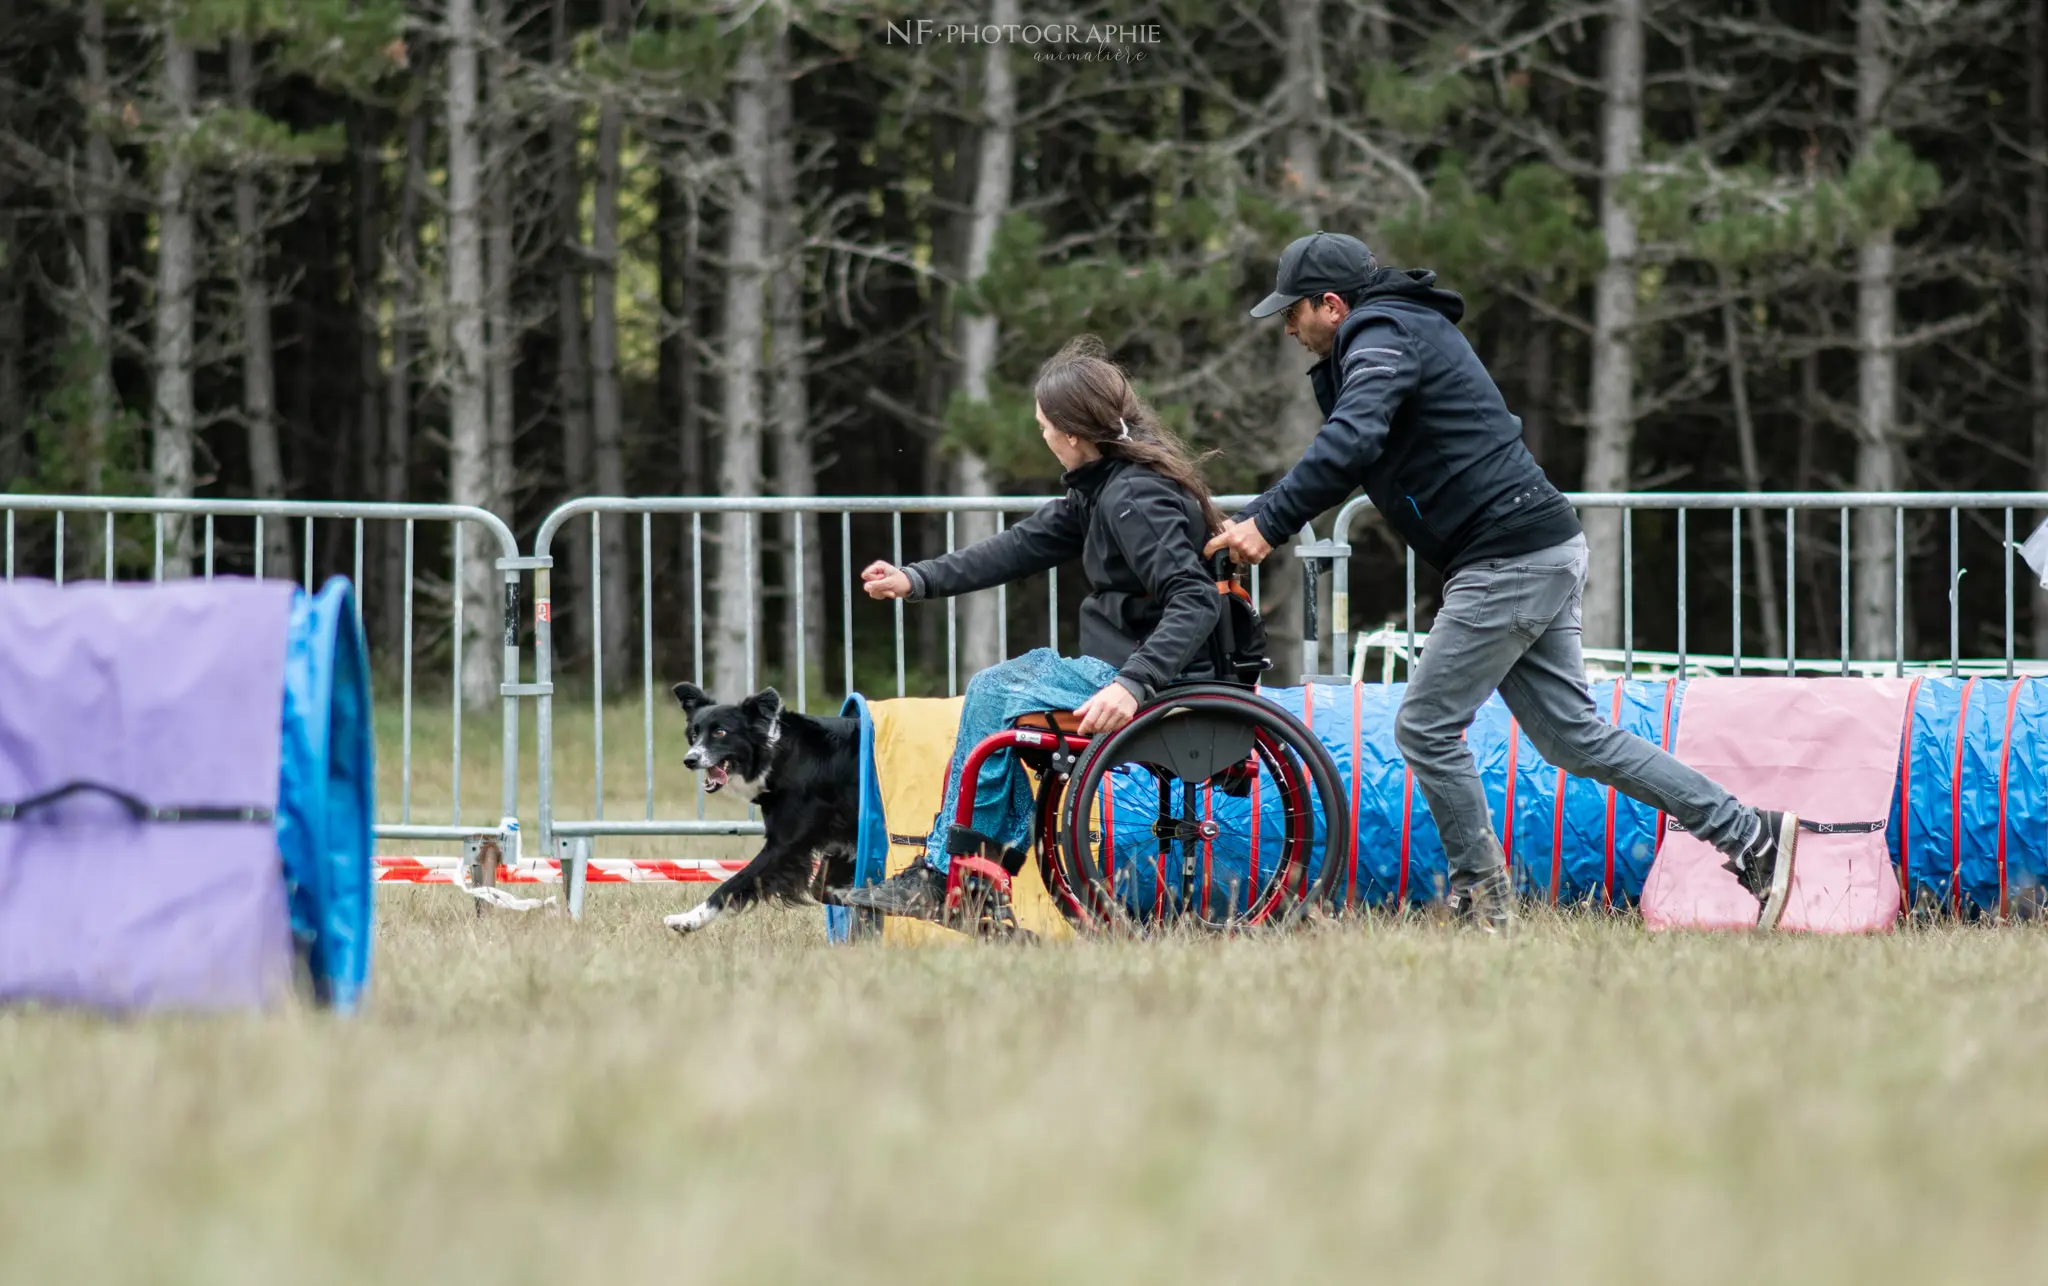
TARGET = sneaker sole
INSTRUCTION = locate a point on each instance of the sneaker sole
(1781, 875)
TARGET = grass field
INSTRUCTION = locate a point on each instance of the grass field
(529, 1101)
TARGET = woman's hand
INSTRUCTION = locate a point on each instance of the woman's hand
(1107, 710)
(884, 580)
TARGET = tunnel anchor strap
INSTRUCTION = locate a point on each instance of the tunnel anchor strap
(137, 809)
(1817, 828)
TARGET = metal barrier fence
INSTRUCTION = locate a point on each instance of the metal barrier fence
(1760, 507)
(1992, 522)
(568, 839)
(173, 541)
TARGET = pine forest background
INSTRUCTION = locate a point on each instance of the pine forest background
(508, 252)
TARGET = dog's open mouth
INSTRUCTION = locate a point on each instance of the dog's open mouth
(714, 777)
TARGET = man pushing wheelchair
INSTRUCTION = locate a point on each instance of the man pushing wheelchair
(1413, 417)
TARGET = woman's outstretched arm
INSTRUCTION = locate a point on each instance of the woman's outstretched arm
(1043, 540)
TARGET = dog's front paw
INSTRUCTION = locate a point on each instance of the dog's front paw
(693, 919)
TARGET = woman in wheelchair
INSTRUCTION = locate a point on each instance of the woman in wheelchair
(1137, 513)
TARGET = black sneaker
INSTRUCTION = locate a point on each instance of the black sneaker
(1765, 867)
(918, 890)
(1487, 904)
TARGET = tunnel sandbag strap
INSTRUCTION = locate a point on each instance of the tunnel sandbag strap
(1811, 826)
(137, 809)
(1841, 828)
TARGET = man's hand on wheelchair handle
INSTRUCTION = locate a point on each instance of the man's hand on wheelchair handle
(1242, 539)
(1107, 710)
(884, 580)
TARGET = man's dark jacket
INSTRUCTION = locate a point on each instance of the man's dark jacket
(1139, 536)
(1411, 415)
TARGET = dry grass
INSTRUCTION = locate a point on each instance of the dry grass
(531, 1101)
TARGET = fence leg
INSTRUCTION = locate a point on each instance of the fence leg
(575, 858)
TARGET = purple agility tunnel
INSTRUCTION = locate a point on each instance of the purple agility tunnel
(185, 795)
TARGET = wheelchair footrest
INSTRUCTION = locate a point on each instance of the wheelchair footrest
(978, 898)
(965, 841)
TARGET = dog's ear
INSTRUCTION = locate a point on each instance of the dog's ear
(692, 698)
(763, 706)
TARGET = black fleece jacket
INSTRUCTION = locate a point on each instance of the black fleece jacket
(1411, 415)
(1139, 535)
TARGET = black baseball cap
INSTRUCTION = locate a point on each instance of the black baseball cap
(1315, 264)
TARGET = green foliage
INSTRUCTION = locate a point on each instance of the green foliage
(1040, 305)
(1539, 228)
(351, 45)
(1002, 430)
(347, 44)
(1413, 103)
(234, 138)
(60, 428)
(687, 46)
(1741, 215)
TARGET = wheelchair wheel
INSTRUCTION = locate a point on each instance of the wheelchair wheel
(1236, 807)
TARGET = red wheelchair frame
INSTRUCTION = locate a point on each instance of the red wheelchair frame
(1217, 735)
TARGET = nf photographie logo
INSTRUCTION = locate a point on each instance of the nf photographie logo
(1049, 41)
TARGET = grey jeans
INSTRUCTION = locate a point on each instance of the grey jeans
(1513, 624)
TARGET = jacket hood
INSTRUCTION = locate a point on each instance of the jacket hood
(1417, 285)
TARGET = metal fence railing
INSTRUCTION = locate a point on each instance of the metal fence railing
(1688, 604)
(567, 836)
(43, 536)
(1662, 537)
(1924, 554)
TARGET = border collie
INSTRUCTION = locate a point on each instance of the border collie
(802, 772)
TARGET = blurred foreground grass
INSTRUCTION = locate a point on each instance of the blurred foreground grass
(526, 1100)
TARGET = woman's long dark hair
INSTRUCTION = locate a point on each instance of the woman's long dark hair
(1086, 394)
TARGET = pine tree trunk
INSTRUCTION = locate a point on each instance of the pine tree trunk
(13, 395)
(691, 448)
(1300, 419)
(501, 259)
(1876, 367)
(739, 467)
(1763, 566)
(469, 447)
(680, 291)
(367, 269)
(979, 626)
(621, 592)
(572, 372)
(172, 420)
(1611, 431)
(13, 400)
(2037, 280)
(789, 410)
(259, 380)
(97, 290)
(405, 321)
(679, 379)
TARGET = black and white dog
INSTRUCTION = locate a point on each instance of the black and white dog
(804, 775)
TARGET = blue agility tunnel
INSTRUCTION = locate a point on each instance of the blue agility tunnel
(1968, 832)
(1568, 840)
(186, 794)
(1970, 814)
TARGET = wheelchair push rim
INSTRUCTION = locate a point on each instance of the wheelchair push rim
(1293, 761)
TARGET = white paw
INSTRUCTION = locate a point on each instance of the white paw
(693, 919)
